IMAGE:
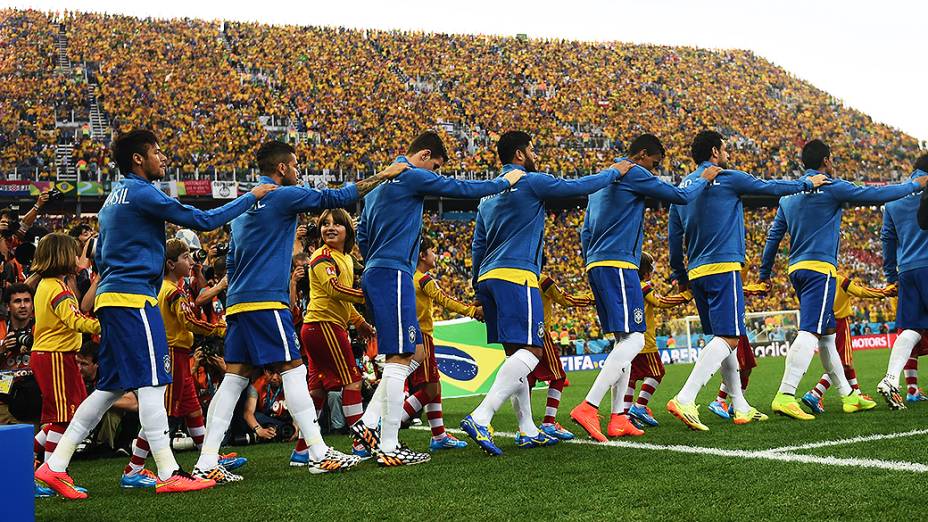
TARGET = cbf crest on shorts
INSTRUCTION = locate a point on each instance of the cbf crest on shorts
(639, 315)
(166, 361)
(412, 334)
(541, 330)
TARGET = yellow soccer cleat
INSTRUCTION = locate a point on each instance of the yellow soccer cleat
(688, 413)
(856, 402)
(749, 416)
(788, 406)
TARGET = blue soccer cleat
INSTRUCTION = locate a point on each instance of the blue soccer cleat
(298, 459)
(43, 491)
(445, 443)
(141, 480)
(814, 403)
(232, 461)
(642, 414)
(720, 408)
(557, 431)
(916, 397)
(523, 441)
(481, 435)
(359, 450)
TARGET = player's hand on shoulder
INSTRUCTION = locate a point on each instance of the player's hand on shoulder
(514, 175)
(819, 179)
(394, 170)
(261, 190)
(710, 173)
(891, 290)
(921, 180)
(478, 313)
(623, 166)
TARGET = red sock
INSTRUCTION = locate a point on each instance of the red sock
(318, 402)
(352, 405)
(140, 452)
(434, 415)
(196, 427)
(55, 431)
(414, 403)
(851, 375)
(648, 387)
(911, 375)
(38, 444)
(745, 377)
(722, 395)
(822, 386)
(554, 400)
(301, 446)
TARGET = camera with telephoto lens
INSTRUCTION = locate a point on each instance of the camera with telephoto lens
(24, 341)
(199, 256)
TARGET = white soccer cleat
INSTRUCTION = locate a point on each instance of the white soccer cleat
(890, 392)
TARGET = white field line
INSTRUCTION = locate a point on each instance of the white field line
(851, 440)
(778, 455)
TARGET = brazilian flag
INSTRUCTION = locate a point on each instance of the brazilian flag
(68, 189)
(467, 364)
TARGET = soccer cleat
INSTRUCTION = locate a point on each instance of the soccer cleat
(918, 396)
(42, 491)
(587, 416)
(366, 436)
(749, 416)
(446, 442)
(890, 393)
(220, 475)
(401, 456)
(481, 435)
(556, 430)
(142, 479)
(856, 402)
(523, 441)
(787, 406)
(299, 459)
(642, 414)
(688, 413)
(814, 403)
(59, 482)
(231, 461)
(358, 450)
(720, 408)
(181, 481)
(621, 426)
(333, 461)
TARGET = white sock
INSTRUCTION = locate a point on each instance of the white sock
(218, 418)
(371, 415)
(624, 351)
(522, 404)
(828, 352)
(301, 408)
(731, 377)
(709, 361)
(902, 350)
(798, 358)
(508, 379)
(86, 417)
(154, 421)
(393, 381)
(620, 390)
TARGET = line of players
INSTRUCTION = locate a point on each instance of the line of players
(706, 216)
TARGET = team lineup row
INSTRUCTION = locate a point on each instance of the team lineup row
(706, 220)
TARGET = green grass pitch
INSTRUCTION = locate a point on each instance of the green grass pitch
(582, 481)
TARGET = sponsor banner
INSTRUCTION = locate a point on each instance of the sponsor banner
(197, 187)
(577, 363)
(15, 188)
(873, 341)
(89, 188)
(224, 189)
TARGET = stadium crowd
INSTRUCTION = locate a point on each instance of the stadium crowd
(211, 86)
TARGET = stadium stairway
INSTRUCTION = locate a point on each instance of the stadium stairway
(63, 62)
(66, 171)
(99, 126)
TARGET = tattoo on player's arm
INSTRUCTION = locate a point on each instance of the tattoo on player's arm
(366, 185)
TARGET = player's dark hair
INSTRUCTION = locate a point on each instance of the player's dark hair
(340, 217)
(133, 142)
(646, 266)
(648, 143)
(922, 163)
(424, 244)
(273, 153)
(16, 288)
(814, 154)
(510, 143)
(701, 149)
(78, 229)
(431, 141)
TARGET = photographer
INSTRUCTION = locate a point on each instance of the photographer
(299, 286)
(211, 300)
(17, 334)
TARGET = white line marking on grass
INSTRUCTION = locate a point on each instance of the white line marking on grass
(779, 454)
(851, 440)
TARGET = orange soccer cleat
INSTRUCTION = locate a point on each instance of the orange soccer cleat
(621, 426)
(182, 481)
(587, 417)
(60, 482)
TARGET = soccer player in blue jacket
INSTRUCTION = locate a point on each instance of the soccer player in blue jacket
(388, 236)
(507, 253)
(905, 263)
(611, 238)
(813, 220)
(712, 226)
(260, 329)
(133, 346)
